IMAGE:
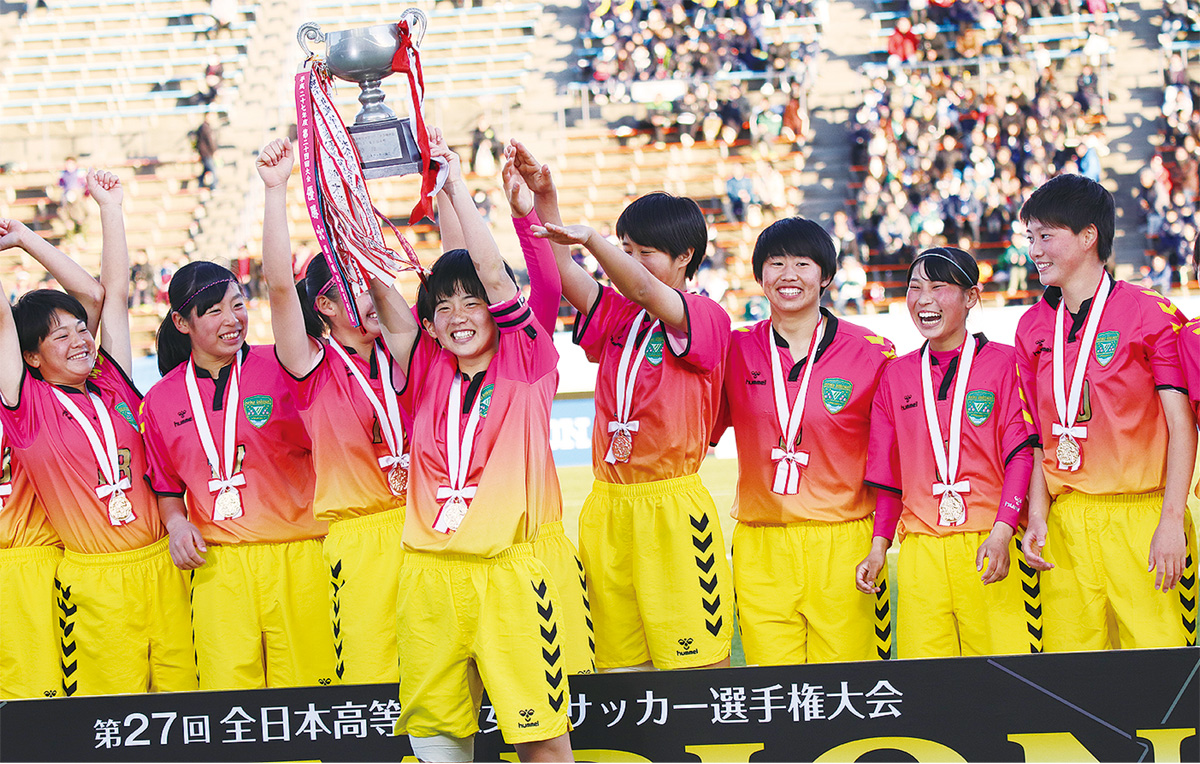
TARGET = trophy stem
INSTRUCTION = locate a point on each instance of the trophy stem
(371, 99)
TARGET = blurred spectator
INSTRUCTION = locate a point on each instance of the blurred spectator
(1157, 275)
(72, 185)
(902, 44)
(739, 195)
(206, 148)
(849, 283)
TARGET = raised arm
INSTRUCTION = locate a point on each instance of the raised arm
(539, 180)
(484, 253)
(545, 283)
(449, 228)
(294, 348)
(74, 279)
(397, 323)
(630, 277)
(105, 188)
(11, 364)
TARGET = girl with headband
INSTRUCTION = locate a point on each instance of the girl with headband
(69, 418)
(359, 433)
(958, 492)
(230, 462)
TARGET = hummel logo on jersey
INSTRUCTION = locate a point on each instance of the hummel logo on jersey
(526, 714)
(686, 644)
(908, 403)
(756, 378)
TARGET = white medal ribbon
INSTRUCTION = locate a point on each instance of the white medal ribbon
(456, 497)
(947, 464)
(790, 458)
(5, 488)
(106, 452)
(225, 480)
(627, 370)
(1066, 407)
(388, 411)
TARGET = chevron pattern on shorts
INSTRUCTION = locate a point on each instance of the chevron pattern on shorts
(67, 645)
(1187, 598)
(587, 612)
(883, 619)
(336, 582)
(1031, 594)
(552, 649)
(706, 557)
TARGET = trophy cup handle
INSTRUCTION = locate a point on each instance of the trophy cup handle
(417, 23)
(311, 30)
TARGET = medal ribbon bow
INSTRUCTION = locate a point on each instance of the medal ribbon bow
(388, 415)
(947, 464)
(788, 455)
(225, 479)
(627, 369)
(456, 497)
(106, 453)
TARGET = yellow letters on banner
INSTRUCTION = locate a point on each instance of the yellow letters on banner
(1052, 746)
(725, 752)
(921, 750)
(1165, 744)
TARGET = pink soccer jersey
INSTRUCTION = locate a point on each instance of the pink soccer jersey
(994, 435)
(677, 391)
(54, 450)
(1136, 353)
(511, 467)
(23, 520)
(346, 438)
(1189, 360)
(835, 429)
(272, 452)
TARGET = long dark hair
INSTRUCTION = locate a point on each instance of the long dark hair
(194, 289)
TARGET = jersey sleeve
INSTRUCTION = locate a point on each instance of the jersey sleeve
(108, 375)
(883, 457)
(1189, 361)
(705, 340)
(1027, 383)
(591, 328)
(1016, 443)
(1162, 323)
(20, 418)
(161, 475)
(518, 328)
(545, 282)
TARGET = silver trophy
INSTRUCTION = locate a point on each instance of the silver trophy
(385, 142)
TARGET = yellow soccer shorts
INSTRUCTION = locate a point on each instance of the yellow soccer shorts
(1100, 593)
(558, 554)
(29, 623)
(945, 609)
(123, 623)
(658, 578)
(796, 598)
(362, 556)
(466, 624)
(260, 615)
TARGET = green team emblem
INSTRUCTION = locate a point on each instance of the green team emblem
(835, 393)
(258, 409)
(654, 348)
(979, 406)
(1106, 346)
(485, 400)
(127, 415)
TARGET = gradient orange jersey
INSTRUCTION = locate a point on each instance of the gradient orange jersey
(994, 435)
(346, 438)
(677, 392)
(23, 521)
(836, 423)
(58, 458)
(272, 451)
(511, 466)
(1136, 354)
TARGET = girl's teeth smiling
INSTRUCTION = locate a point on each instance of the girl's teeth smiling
(462, 334)
(929, 317)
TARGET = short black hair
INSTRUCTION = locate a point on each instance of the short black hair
(950, 265)
(454, 271)
(1075, 202)
(668, 223)
(34, 317)
(797, 237)
(194, 289)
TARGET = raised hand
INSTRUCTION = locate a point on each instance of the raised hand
(438, 148)
(274, 163)
(516, 190)
(13, 233)
(569, 235)
(105, 187)
(535, 174)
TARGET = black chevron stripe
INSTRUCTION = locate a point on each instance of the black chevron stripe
(884, 633)
(715, 628)
(883, 609)
(546, 612)
(554, 679)
(702, 544)
(709, 585)
(1035, 632)
(1031, 590)
(1034, 612)
(341, 669)
(700, 524)
(68, 648)
(67, 628)
(1188, 581)
(556, 703)
(540, 589)
(337, 647)
(712, 607)
(69, 689)
(550, 635)
(706, 565)
(589, 623)
(1189, 603)
(336, 570)
(552, 657)
(69, 669)
(579, 564)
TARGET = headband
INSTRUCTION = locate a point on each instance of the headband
(328, 285)
(227, 280)
(942, 254)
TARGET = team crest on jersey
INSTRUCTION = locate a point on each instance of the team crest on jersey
(1106, 346)
(979, 405)
(127, 414)
(485, 400)
(835, 393)
(258, 409)
(654, 348)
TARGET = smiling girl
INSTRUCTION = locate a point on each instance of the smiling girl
(950, 456)
(69, 419)
(230, 462)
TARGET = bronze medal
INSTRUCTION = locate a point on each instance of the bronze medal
(228, 505)
(951, 509)
(1068, 451)
(453, 512)
(120, 509)
(622, 446)
(397, 480)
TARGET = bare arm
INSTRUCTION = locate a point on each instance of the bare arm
(484, 253)
(105, 189)
(448, 224)
(397, 323)
(1039, 509)
(1168, 547)
(295, 349)
(186, 544)
(12, 366)
(539, 180)
(74, 279)
(629, 276)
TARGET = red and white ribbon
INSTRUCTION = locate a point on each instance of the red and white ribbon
(1066, 405)
(788, 456)
(386, 411)
(947, 464)
(456, 497)
(627, 369)
(223, 468)
(5, 488)
(107, 456)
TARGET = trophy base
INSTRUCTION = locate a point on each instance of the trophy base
(386, 148)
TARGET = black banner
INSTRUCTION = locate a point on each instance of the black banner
(1134, 705)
